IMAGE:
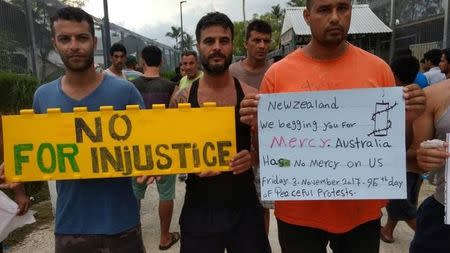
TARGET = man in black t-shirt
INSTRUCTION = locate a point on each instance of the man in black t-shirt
(156, 90)
(221, 210)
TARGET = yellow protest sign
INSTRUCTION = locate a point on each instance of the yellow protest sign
(110, 143)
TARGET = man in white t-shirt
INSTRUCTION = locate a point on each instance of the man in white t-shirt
(432, 59)
(118, 58)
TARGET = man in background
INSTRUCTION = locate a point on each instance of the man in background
(432, 59)
(443, 64)
(251, 70)
(118, 58)
(190, 69)
(157, 90)
(130, 70)
(405, 69)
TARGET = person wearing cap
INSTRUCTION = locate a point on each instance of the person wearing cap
(130, 68)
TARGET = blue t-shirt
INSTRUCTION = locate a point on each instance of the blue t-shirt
(421, 80)
(93, 206)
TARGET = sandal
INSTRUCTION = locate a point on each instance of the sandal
(174, 238)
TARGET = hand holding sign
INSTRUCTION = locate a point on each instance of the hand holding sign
(241, 162)
(415, 101)
(3, 183)
(249, 110)
(430, 158)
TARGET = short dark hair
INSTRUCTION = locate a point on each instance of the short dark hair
(434, 56)
(446, 52)
(405, 68)
(214, 19)
(117, 47)
(189, 53)
(131, 61)
(72, 14)
(152, 56)
(310, 2)
(258, 25)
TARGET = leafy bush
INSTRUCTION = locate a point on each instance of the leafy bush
(16, 92)
(168, 74)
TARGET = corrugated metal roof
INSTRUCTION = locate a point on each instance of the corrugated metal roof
(364, 21)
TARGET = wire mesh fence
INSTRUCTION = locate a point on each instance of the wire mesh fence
(26, 46)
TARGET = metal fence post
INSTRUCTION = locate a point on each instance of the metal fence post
(32, 38)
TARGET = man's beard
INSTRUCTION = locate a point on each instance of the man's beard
(85, 65)
(216, 69)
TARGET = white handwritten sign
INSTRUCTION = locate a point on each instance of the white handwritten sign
(447, 187)
(345, 144)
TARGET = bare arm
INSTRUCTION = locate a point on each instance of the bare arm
(179, 97)
(175, 91)
(423, 129)
(247, 112)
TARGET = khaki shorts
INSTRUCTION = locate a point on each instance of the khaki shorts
(125, 242)
(166, 188)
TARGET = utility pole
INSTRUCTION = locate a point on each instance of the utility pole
(243, 11)
(445, 33)
(32, 38)
(181, 17)
(243, 14)
(107, 35)
(392, 24)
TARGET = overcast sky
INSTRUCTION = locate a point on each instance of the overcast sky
(153, 18)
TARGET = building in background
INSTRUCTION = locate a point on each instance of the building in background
(367, 31)
(419, 25)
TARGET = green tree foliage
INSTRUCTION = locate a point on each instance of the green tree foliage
(174, 34)
(239, 38)
(16, 92)
(296, 3)
(277, 12)
(188, 42)
(275, 20)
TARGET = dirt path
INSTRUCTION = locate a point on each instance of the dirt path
(42, 239)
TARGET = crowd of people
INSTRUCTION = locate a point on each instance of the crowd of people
(223, 211)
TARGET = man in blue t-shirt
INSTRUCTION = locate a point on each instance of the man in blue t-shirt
(100, 214)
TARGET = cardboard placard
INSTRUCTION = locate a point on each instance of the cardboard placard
(333, 145)
(110, 143)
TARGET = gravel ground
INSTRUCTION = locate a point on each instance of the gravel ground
(42, 239)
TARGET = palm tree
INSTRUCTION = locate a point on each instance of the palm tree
(174, 34)
(296, 3)
(188, 41)
(277, 12)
